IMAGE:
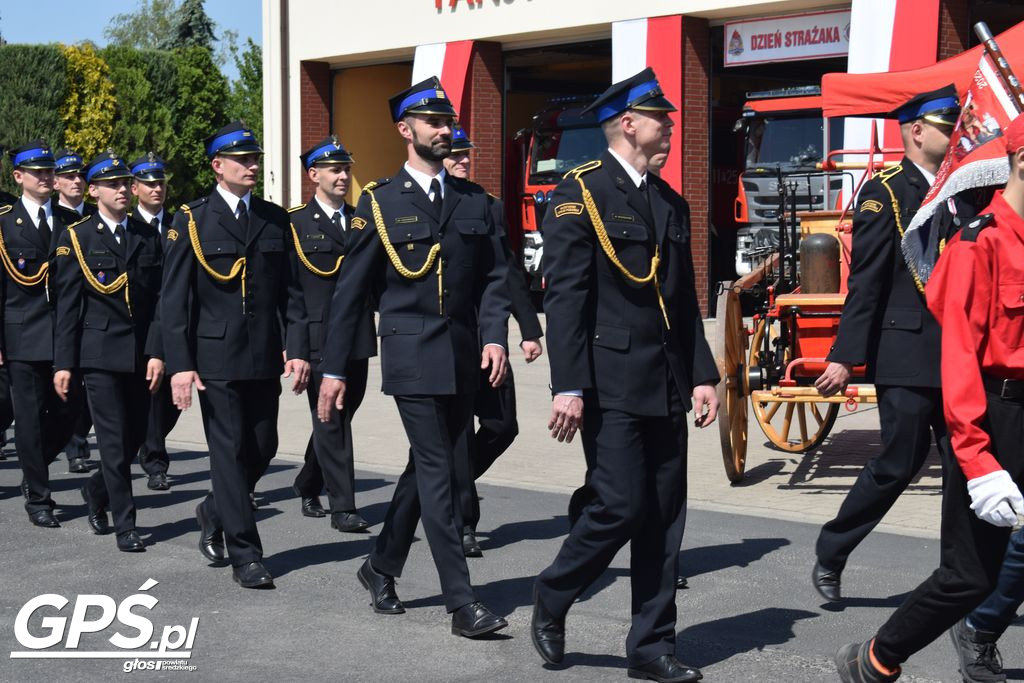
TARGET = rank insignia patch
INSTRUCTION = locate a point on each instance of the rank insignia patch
(21, 264)
(871, 205)
(63, 251)
(358, 223)
(101, 276)
(172, 235)
(573, 208)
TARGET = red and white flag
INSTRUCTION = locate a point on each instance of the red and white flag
(976, 158)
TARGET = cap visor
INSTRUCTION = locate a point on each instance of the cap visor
(942, 119)
(37, 165)
(240, 150)
(432, 108)
(658, 103)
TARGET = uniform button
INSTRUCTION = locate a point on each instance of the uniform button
(677, 235)
(596, 337)
(394, 330)
(444, 262)
(409, 236)
(892, 322)
(625, 233)
(446, 292)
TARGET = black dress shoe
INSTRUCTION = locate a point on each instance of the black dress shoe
(311, 507)
(78, 465)
(475, 620)
(665, 669)
(129, 542)
(252, 575)
(211, 539)
(24, 488)
(547, 632)
(853, 662)
(383, 597)
(158, 482)
(827, 582)
(681, 583)
(44, 518)
(252, 501)
(348, 521)
(97, 517)
(470, 546)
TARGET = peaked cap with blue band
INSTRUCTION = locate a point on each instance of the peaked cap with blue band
(426, 97)
(33, 154)
(460, 141)
(106, 166)
(149, 167)
(68, 161)
(940, 106)
(641, 92)
(327, 151)
(234, 139)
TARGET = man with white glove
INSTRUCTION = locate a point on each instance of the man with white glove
(976, 293)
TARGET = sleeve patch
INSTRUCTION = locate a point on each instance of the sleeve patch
(63, 251)
(871, 205)
(358, 223)
(172, 235)
(572, 208)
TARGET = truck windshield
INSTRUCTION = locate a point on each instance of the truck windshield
(557, 151)
(793, 141)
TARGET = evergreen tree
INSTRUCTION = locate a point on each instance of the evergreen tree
(194, 28)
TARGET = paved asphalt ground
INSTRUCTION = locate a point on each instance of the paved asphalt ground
(749, 615)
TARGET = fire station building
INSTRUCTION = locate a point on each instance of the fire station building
(329, 67)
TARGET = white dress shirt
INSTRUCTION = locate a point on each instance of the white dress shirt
(330, 212)
(148, 217)
(33, 210)
(233, 200)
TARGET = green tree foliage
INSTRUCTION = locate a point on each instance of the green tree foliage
(198, 109)
(88, 109)
(33, 85)
(152, 25)
(246, 101)
(193, 27)
(142, 120)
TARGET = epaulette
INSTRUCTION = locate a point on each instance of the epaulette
(5, 208)
(887, 173)
(296, 208)
(195, 203)
(493, 196)
(973, 229)
(584, 168)
(79, 222)
(374, 184)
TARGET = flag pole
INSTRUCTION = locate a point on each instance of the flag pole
(1002, 66)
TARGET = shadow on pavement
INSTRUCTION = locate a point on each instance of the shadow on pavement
(715, 641)
(530, 529)
(697, 561)
(892, 602)
(342, 550)
(761, 473)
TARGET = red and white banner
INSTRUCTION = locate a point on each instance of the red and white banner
(793, 37)
(976, 158)
(657, 43)
(450, 63)
(887, 35)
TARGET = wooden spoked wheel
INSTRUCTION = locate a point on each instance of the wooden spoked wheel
(792, 424)
(730, 354)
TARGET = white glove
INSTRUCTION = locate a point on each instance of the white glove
(995, 498)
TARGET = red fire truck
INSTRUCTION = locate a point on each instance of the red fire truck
(560, 139)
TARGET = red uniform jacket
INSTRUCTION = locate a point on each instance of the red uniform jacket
(977, 294)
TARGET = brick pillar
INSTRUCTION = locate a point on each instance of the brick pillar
(483, 121)
(954, 26)
(692, 141)
(314, 112)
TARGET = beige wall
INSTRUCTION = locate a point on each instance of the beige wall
(372, 140)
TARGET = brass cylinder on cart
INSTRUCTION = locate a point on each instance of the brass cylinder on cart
(819, 264)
